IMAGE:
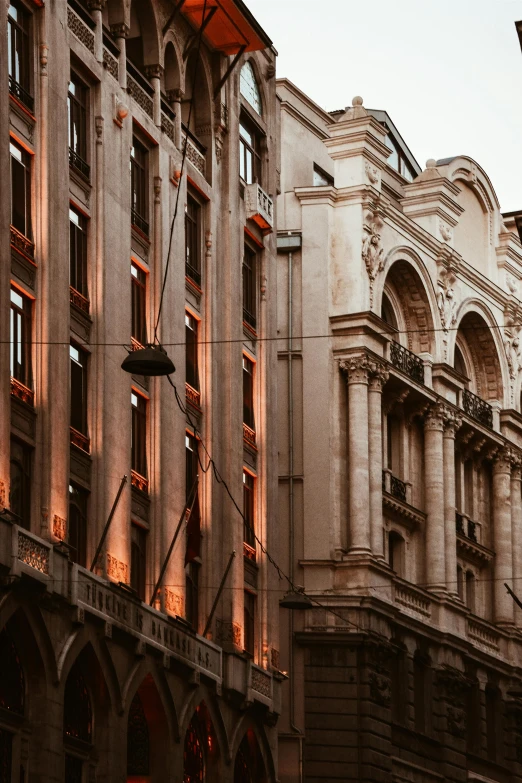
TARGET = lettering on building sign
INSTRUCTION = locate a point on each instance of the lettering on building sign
(140, 620)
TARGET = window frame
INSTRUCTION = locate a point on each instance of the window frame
(250, 286)
(192, 351)
(249, 513)
(19, 69)
(24, 161)
(192, 586)
(138, 304)
(191, 462)
(23, 323)
(193, 238)
(78, 254)
(249, 150)
(25, 464)
(78, 500)
(321, 173)
(139, 411)
(249, 418)
(138, 571)
(78, 124)
(249, 623)
(82, 418)
(139, 170)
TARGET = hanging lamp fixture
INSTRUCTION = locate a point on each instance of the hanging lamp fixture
(297, 600)
(151, 360)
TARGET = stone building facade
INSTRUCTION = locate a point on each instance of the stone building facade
(399, 317)
(101, 678)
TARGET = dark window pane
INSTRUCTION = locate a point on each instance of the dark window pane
(138, 559)
(20, 338)
(191, 463)
(248, 509)
(193, 763)
(193, 240)
(139, 299)
(20, 482)
(248, 393)
(191, 351)
(78, 360)
(77, 110)
(20, 190)
(249, 287)
(192, 594)
(77, 710)
(249, 158)
(138, 747)
(139, 434)
(78, 251)
(6, 756)
(73, 769)
(18, 44)
(138, 169)
(12, 680)
(249, 622)
(77, 528)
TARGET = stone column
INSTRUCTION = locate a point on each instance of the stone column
(452, 423)
(175, 97)
(356, 369)
(516, 530)
(121, 32)
(154, 75)
(96, 8)
(378, 377)
(434, 490)
(502, 537)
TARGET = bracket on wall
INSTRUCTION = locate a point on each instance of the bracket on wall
(173, 15)
(200, 32)
(229, 70)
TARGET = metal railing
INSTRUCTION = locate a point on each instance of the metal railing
(18, 92)
(139, 222)
(78, 163)
(406, 361)
(477, 408)
(192, 273)
(466, 527)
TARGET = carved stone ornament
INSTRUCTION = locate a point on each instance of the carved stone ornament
(59, 528)
(173, 602)
(380, 689)
(372, 250)
(117, 570)
(379, 374)
(454, 686)
(502, 461)
(435, 417)
(119, 30)
(228, 632)
(446, 231)
(373, 174)
(452, 422)
(2, 494)
(512, 284)
(356, 368)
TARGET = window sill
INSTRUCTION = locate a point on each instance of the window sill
(249, 331)
(193, 397)
(79, 300)
(249, 436)
(21, 106)
(81, 441)
(22, 244)
(22, 392)
(249, 552)
(139, 482)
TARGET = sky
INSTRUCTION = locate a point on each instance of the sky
(449, 74)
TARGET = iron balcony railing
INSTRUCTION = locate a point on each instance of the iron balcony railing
(78, 163)
(139, 222)
(466, 527)
(18, 92)
(406, 361)
(192, 273)
(397, 488)
(477, 408)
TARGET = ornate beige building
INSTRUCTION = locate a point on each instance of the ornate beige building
(400, 363)
(101, 678)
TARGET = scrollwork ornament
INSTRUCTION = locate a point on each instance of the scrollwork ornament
(372, 249)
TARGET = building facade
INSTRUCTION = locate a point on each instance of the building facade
(113, 666)
(399, 316)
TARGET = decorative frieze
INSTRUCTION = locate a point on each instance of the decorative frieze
(143, 100)
(33, 553)
(173, 602)
(117, 570)
(454, 686)
(22, 392)
(21, 243)
(228, 632)
(78, 27)
(111, 64)
(261, 682)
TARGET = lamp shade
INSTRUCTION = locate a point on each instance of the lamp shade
(296, 600)
(151, 360)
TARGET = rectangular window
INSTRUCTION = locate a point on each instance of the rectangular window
(249, 622)
(20, 189)
(138, 559)
(78, 389)
(248, 393)
(139, 434)
(193, 240)
(18, 54)
(139, 301)
(77, 110)
(139, 201)
(192, 594)
(191, 351)
(191, 463)
(77, 526)
(20, 338)
(78, 253)
(249, 287)
(321, 177)
(249, 158)
(20, 483)
(248, 512)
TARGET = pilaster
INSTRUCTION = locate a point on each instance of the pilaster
(435, 505)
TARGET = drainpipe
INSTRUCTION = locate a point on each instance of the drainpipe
(289, 243)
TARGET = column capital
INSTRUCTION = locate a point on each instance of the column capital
(435, 416)
(452, 422)
(502, 461)
(120, 30)
(154, 71)
(356, 368)
(379, 374)
(96, 5)
(175, 96)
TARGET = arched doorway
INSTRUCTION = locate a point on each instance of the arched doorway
(12, 704)
(201, 749)
(148, 736)
(248, 765)
(77, 725)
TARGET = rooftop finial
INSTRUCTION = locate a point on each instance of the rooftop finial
(357, 101)
(431, 163)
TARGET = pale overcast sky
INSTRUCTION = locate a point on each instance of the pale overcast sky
(449, 73)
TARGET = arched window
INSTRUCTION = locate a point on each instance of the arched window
(138, 748)
(387, 312)
(12, 683)
(241, 770)
(459, 363)
(193, 761)
(249, 88)
(77, 725)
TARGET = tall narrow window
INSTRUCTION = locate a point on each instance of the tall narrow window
(249, 157)
(138, 559)
(139, 300)
(77, 109)
(249, 622)
(192, 566)
(248, 513)
(78, 259)
(139, 434)
(138, 169)
(79, 396)
(191, 463)
(249, 287)
(249, 88)
(18, 54)
(192, 594)
(20, 190)
(20, 338)
(193, 240)
(191, 351)
(20, 483)
(248, 394)
(77, 533)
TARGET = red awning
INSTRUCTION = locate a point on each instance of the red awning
(231, 27)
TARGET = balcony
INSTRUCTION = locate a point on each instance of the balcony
(249, 435)
(394, 486)
(139, 482)
(470, 540)
(193, 274)
(477, 409)
(193, 396)
(80, 441)
(78, 300)
(196, 152)
(259, 207)
(22, 392)
(408, 362)
(21, 95)
(21, 243)
(140, 223)
(78, 164)
(140, 90)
